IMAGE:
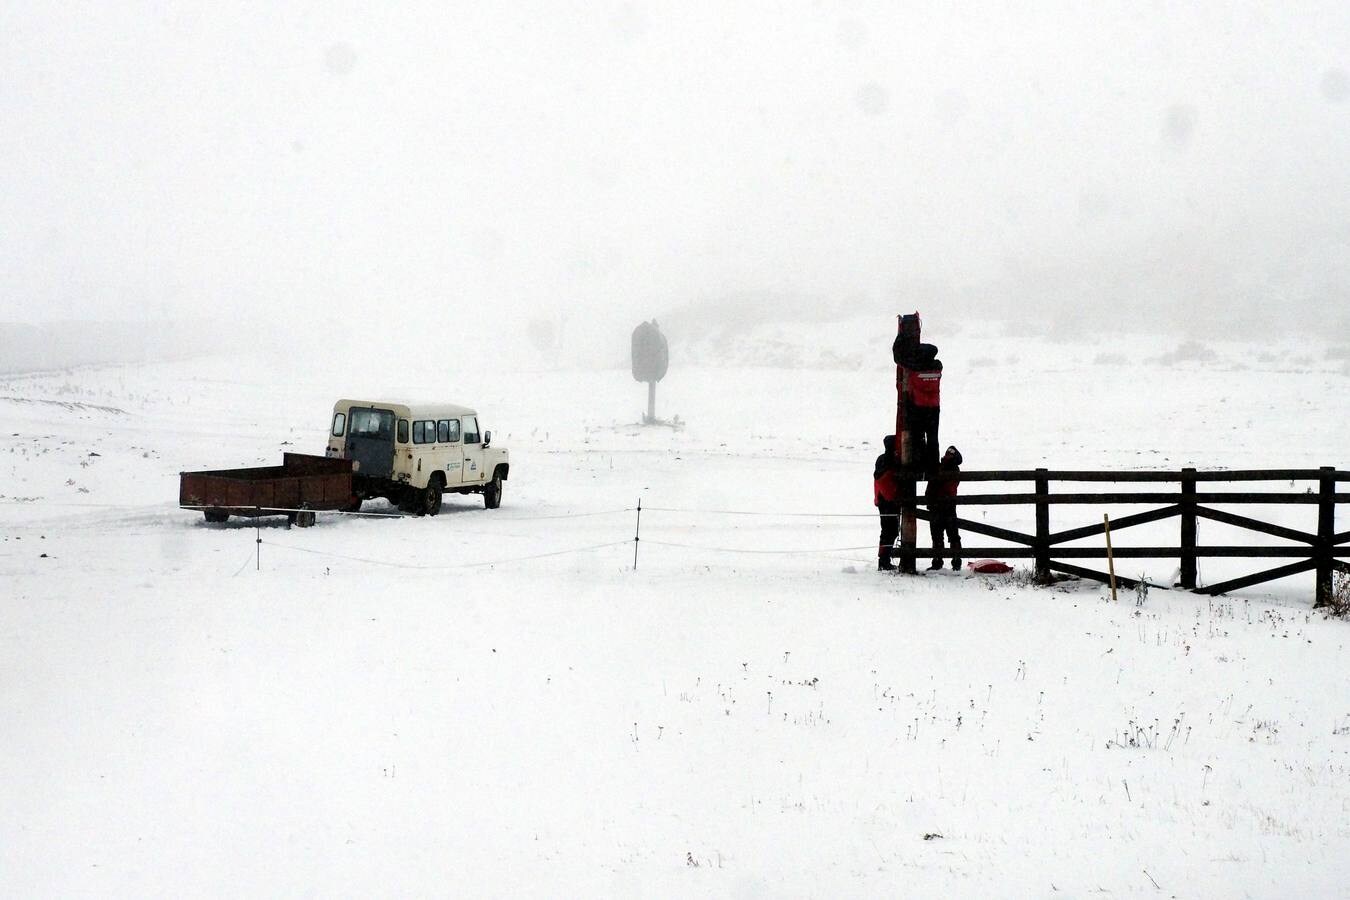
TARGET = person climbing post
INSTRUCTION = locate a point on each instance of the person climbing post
(941, 494)
(925, 383)
(885, 496)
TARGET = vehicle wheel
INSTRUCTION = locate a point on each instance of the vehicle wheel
(492, 492)
(431, 498)
(216, 516)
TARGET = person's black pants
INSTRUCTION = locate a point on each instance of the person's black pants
(923, 428)
(890, 528)
(943, 523)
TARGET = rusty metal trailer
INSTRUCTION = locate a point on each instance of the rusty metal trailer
(297, 488)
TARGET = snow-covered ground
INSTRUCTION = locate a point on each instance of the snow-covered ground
(498, 703)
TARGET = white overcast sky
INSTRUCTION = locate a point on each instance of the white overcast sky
(433, 160)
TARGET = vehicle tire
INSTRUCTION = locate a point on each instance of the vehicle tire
(492, 492)
(216, 516)
(431, 498)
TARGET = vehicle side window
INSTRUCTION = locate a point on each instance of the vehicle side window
(403, 431)
(424, 432)
(471, 430)
(447, 430)
(339, 424)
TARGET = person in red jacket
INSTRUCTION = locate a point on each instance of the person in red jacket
(942, 510)
(885, 497)
(925, 396)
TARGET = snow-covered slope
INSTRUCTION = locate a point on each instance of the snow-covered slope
(497, 702)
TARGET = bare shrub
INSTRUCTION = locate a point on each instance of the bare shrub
(1110, 359)
(1190, 351)
(1339, 604)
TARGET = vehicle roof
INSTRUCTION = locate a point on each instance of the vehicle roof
(409, 409)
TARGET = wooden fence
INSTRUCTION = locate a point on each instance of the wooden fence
(1323, 551)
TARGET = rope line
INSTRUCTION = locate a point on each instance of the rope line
(580, 515)
(279, 510)
(248, 560)
(397, 565)
(757, 552)
(782, 515)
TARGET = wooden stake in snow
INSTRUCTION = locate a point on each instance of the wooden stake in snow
(1110, 558)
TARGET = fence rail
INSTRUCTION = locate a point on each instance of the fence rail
(1322, 551)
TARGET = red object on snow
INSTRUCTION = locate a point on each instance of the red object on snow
(989, 567)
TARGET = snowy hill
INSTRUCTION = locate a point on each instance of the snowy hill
(496, 702)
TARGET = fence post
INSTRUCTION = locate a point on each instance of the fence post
(1042, 526)
(908, 529)
(1326, 530)
(1188, 535)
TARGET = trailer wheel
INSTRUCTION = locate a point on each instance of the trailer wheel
(216, 516)
(431, 498)
(492, 491)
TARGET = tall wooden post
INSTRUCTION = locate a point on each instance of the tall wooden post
(1188, 535)
(905, 448)
(1042, 526)
(651, 402)
(1326, 533)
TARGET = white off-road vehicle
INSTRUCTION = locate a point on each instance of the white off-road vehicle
(414, 453)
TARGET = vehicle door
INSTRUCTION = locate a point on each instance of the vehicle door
(370, 441)
(473, 451)
(452, 451)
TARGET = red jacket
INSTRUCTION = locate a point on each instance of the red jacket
(925, 387)
(944, 488)
(884, 487)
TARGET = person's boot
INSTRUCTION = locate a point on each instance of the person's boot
(884, 563)
(937, 564)
(956, 563)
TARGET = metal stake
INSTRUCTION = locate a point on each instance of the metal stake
(637, 535)
(1110, 557)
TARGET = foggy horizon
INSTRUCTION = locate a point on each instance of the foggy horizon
(480, 168)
